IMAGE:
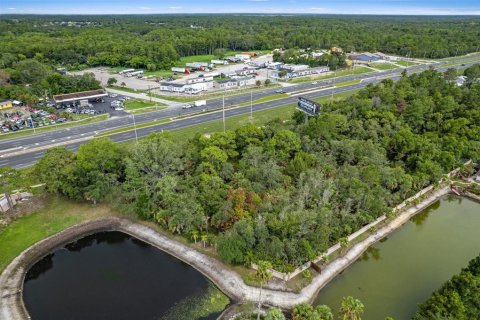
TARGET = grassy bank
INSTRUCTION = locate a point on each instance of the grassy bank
(57, 215)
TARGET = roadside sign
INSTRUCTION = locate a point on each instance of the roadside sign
(310, 107)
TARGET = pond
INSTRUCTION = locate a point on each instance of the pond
(402, 271)
(111, 275)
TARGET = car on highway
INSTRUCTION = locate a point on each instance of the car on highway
(314, 82)
(187, 106)
(280, 91)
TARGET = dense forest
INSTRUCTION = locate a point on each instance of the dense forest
(457, 299)
(156, 41)
(284, 192)
(29, 80)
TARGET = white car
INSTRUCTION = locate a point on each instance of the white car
(314, 82)
(187, 106)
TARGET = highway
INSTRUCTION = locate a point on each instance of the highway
(25, 151)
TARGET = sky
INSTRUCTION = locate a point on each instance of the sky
(397, 7)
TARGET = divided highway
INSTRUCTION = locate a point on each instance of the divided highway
(73, 137)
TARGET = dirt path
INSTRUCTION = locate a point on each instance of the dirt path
(11, 280)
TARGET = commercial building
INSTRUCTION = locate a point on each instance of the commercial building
(77, 96)
(7, 104)
(192, 88)
(234, 83)
(199, 80)
(364, 58)
(294, 67)
(299, 72)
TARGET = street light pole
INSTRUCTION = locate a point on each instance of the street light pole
(135, 128)
(251, 105)
(223, 110)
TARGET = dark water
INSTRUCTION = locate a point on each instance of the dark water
(111, 275)
(400, 272)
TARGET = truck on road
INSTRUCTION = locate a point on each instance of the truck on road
(200, 103)
(197, 103)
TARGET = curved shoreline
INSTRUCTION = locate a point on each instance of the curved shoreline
(11, 279)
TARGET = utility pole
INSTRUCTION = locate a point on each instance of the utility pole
(251, 105)
(223, 111)
(333, 84)
(135, 128)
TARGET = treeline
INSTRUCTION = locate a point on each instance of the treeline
(157, 41)
(458, 298)
(29, 80)
(284, 192)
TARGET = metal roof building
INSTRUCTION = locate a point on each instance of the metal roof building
(76, 96)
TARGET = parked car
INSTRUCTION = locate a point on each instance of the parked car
(60, 120)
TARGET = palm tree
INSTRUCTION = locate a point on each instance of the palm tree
(351, 309)
(204, 238)
(195, 236)
(263, 275)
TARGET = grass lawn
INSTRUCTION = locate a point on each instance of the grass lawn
(347, 83)
(83, 121)
(232, 123)
(340, 73)
(133, 104)
(130, 128)
(57, 215)
(383, 66)
(338, 96)
(126, 89)
(265, 99)
(404, 63)
(217, 94)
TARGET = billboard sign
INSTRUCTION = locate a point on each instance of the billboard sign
(310, 107)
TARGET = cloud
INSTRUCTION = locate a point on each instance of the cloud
(258, 0)
(12, 8)
(144, 8)
(174, 8)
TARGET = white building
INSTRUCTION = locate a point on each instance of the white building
(192, 88)
(294, 67)
(199, 80)
(275, 65)
(243, 57)
(234, 83)
(219, 62)
(172, 87)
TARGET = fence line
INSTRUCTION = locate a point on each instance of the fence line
(403, 205)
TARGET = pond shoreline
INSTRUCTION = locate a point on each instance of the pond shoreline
(11, 280)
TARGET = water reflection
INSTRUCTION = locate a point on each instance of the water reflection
(111, 275)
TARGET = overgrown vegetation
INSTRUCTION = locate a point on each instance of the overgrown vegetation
(286, 191)
(458, 298)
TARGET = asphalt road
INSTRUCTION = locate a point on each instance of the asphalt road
(75, 133)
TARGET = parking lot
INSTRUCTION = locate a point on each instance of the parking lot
(23, 117)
